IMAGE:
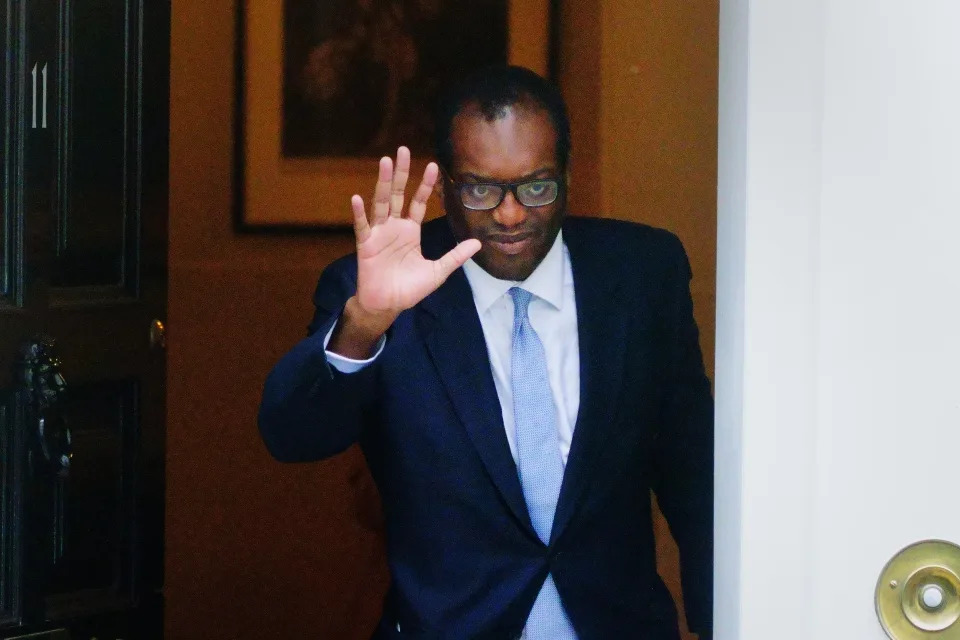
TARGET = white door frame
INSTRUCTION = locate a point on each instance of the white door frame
(838, 397)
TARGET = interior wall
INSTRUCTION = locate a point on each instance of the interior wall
(258, 549)
(255, 549)
(641, 82)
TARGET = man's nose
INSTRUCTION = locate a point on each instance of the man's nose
(510, 213)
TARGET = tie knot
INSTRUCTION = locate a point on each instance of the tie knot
(521, 299)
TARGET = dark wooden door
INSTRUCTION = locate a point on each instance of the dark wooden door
(83, 214)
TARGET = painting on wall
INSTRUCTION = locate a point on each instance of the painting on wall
(327, 86)
(360, 76)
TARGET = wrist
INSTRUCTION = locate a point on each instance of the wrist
(358, 331)
(369, 324)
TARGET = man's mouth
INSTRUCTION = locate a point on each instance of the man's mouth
(511, 244)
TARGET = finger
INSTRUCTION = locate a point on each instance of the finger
(381, 195)
(361, 228)
(418, 206)
(454, 259)
(400, 175)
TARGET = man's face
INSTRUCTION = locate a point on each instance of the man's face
(518, 147)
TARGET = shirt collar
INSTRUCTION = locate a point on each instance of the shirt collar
(546, 281)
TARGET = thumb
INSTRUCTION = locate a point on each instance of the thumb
(454, 259)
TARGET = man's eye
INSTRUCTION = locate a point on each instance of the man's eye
(536, 188)
(479, 190)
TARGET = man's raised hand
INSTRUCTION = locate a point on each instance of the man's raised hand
(392, 274)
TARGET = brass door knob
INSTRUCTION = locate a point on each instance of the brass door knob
(918, 593)
(158, 335)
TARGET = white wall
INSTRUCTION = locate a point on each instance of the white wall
(838, 314)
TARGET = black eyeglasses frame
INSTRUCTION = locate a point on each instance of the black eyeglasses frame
(505, 186)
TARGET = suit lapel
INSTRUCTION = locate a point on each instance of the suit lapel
(448, 323)
(601, 325)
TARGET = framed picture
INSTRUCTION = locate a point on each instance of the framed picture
(325, 87)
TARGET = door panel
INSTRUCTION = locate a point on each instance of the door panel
(93, 512)
(6, 218)
(837, 310)
(35, 169)
(84, 265)
(9, 499)
(99, 113)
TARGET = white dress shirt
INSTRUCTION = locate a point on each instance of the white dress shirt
(553, 315)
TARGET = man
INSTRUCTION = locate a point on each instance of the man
(515, 412)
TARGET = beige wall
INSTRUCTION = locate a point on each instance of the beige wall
(641, 82)
(256, 549)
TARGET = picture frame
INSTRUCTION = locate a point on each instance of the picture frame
(277, 192)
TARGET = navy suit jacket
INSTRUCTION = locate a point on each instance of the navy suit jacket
(464, 558)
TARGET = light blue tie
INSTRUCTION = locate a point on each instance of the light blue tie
(538, 458)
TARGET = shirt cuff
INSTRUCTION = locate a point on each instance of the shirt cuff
(349, 365)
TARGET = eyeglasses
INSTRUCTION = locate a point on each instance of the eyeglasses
(484, 196)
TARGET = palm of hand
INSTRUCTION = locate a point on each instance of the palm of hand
(392, 274)
(391, 270)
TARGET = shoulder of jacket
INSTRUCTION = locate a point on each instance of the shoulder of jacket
(624, 233)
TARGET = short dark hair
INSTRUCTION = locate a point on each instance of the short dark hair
(493, 89)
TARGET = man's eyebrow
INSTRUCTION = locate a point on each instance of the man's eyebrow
(539, 173)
